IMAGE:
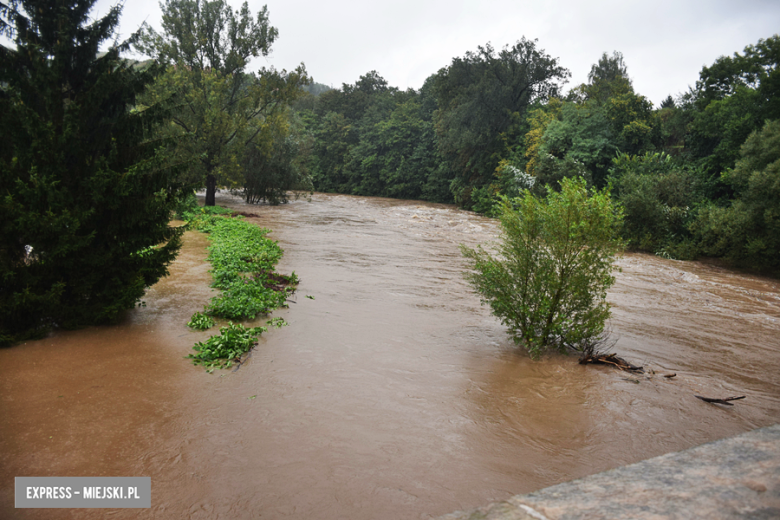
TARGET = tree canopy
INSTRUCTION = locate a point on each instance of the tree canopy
(222, 112)
(482, 99)
(87, 196)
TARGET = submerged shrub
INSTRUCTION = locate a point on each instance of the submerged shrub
(221, 351)
(548, 281)
(200, 321)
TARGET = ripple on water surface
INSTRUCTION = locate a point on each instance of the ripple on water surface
(393, 393)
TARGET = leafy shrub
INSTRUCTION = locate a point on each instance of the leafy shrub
(659, 202)
(551, 170)
(748, 232)
(200, 321)
(548, 283)
(221, 351)
(243, 263)
(188, 205)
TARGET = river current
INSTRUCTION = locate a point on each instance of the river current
(392, 393)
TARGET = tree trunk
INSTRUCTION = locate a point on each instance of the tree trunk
(211, 190)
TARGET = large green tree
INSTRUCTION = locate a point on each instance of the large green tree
(482, 100)
(581, 135)
(224, 112)
(748, 232)
(733, 98)
(86, 199)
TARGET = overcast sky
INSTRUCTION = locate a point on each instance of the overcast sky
(665, 43)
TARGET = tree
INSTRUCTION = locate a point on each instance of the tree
(607, 77)
(658, 196)
(608, 68)
(278, 164)
(482, 99)
(86, 198)
(206, 46)
(748, 232)
(733, 98)
(548, 282)
(668, 102)
(582, 136)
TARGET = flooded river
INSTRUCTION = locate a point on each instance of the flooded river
(392, 394)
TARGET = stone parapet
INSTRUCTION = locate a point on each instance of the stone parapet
(733, 478)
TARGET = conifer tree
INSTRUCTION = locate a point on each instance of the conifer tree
(85, 199)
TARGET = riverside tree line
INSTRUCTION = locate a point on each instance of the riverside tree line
(697, 176)
(98, 150)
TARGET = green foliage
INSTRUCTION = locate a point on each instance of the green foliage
(608, 69)
(209, 34)
(659, 197)
(581, 142)
(243, 261)
(200, 321)
(277, 323)
(87, 195)
(278, 162)
(582, 135)
(548, 281)
(376, 140)
(551, 170)
(222, 112)
(188, 204)
(748, 232)
(733, 98)
(221, 351)
(333, 142)
(482, 99)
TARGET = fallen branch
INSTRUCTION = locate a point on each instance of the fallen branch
(609, 359)
(719, 401)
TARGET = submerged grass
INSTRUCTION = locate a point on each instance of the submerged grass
(243, 260)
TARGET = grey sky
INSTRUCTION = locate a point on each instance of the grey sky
(665, 43)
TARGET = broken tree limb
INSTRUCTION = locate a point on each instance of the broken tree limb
(609, 359)
(719, 401)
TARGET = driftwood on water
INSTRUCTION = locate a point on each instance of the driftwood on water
(609, 359)
(719, 401)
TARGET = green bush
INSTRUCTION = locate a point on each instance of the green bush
(200, 321)
(548, 282)
(659, 200)
(748, 232)
(187, 205)
(243, 262)
(221, 351)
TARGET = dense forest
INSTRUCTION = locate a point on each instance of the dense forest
(697, 176)
(99, 151)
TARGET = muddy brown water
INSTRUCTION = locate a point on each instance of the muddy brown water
(392, 393)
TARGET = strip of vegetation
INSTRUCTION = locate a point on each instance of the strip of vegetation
(243, 261)
(221, 351)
